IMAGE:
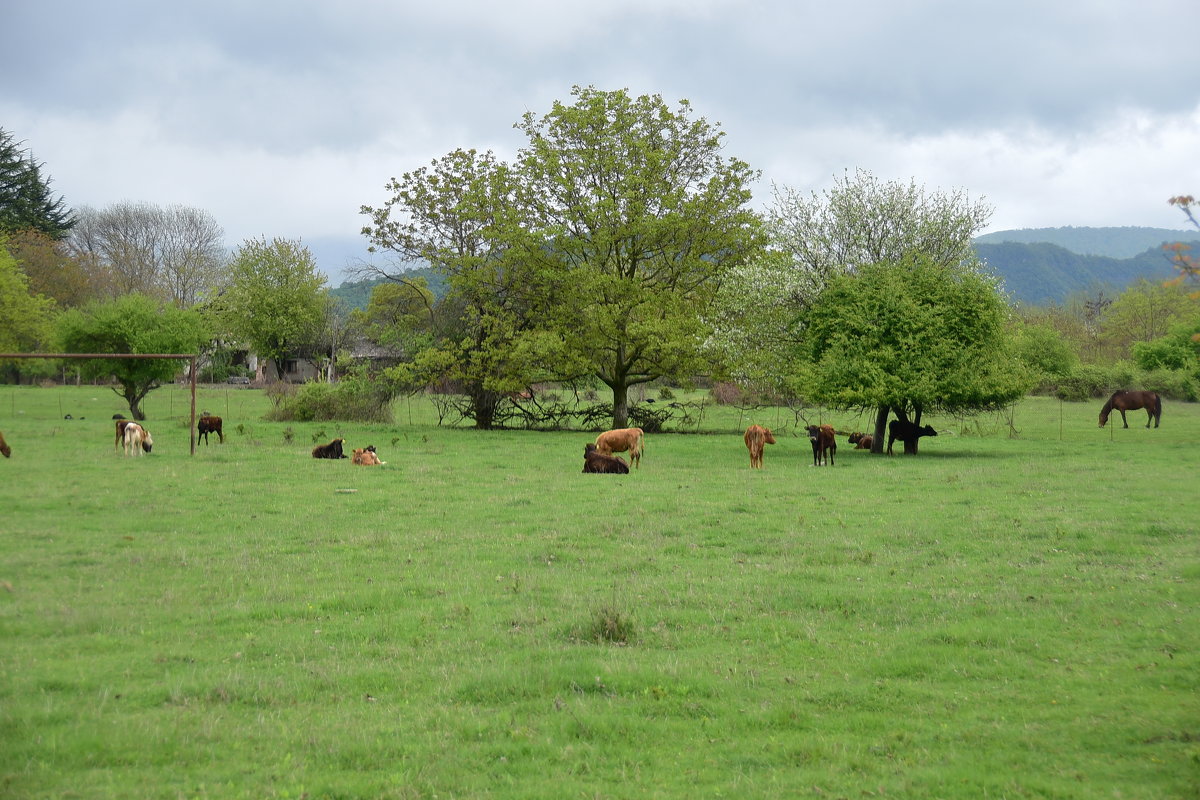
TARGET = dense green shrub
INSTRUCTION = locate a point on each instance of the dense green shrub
(353, 399)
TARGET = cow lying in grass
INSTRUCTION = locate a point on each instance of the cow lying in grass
(861, 441)
(366, 457)
(755, 437)
(824, 444)
(331, 450)
(907, 432)
(137, 439)
(620, 440)
(209, 424)
(596, 462)
(4, 448)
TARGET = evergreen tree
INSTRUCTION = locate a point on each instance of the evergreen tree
(25, 199)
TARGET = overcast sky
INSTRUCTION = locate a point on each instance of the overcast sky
(284, 117)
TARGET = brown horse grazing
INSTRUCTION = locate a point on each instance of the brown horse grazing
(1131, 401)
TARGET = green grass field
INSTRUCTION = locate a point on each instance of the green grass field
(997, 617)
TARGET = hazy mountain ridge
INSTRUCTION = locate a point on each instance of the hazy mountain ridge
(1114, 242)
(1047, 265)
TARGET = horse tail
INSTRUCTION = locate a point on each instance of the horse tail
(1157, 407)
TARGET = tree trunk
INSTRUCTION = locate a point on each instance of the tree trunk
(620, 405)
(910, 448)
(881, 415)
(484, 404)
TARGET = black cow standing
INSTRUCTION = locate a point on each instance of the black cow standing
(908, 433)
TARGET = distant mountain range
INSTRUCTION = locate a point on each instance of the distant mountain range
(1038, 266)
(1047, 265)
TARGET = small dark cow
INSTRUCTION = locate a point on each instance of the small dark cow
(331, 450)
(907, 432)
(596, 462)
(209, 424)
(861, 441)
(4, 448)
(824, 444)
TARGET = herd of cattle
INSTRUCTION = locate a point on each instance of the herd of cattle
(133, 438)
(598, 456)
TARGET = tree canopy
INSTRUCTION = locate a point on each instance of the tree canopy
(133, 323)
(914, 337)
(594, 254)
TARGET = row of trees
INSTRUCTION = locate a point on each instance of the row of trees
(618, 247)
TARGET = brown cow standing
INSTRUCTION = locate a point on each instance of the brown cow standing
(824, 444)
(620, 440)
(120, 426)
(596, 462)
(755, 437)
(209, 424)
(4, 448)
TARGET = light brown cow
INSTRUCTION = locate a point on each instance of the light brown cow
(620, 440)
(755, 437)
(137, 439)
(365, 457)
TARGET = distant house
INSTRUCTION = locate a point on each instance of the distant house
(295, 370)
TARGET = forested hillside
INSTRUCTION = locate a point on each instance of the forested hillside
(1047, 265)
(358, 293)
(1039, 274)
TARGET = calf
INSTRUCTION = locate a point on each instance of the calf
(596, 462)
(907, 432)
(755, 437)
(366, 457)
(861, 441)
(209, 424)
(137, 439)
(331, 450)
(824, 444)
(4, 448)
(620, 440)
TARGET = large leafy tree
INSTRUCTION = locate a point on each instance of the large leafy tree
(26, 202)
(822, 237)
(132, 323)
(643, 216)
(911, 337)
(276, 300)
(461, 215)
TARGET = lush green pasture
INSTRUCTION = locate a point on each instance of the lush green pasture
(996, 618)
